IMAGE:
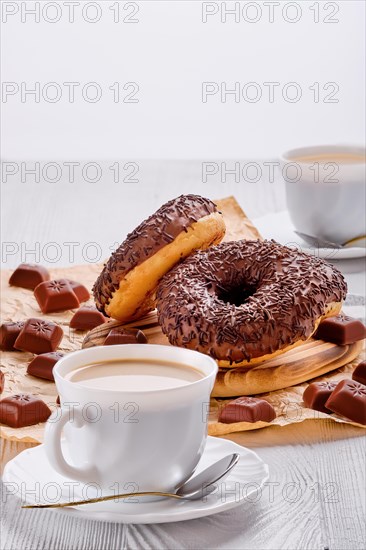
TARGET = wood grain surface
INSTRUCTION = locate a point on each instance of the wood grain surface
(314, 500)
(307, 454)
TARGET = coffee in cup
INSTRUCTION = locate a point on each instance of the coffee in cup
(134, 375)
(325, 191)
(131, 414)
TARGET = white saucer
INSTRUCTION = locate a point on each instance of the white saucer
(278, 226)
(38, 482)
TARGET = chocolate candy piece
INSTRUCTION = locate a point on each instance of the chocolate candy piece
(125, 336)
(341, 330)
(349, 400)
(22, 410)
(39, 336)
(316, 395)
(29, 276)
(42, 365)
(2, 381)
(359, 374)
(8, 334)
(56, 295)
(86, 318)
(80, 290)
(247, 409)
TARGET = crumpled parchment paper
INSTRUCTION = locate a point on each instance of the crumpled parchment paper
(19, 304)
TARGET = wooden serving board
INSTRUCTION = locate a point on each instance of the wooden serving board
(306, 362)
(309, 360)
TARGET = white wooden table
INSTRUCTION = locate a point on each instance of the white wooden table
(315, 498)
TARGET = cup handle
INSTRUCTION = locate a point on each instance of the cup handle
(52, 442)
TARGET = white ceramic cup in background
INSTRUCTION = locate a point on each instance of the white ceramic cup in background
(326, 199)
(152, 439)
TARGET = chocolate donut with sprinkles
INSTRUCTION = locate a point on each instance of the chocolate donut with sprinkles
(125, 289)
(244, 302)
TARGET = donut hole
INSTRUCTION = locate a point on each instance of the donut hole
(236, 295)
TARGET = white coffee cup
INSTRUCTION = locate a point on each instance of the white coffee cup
(152, 439)
(326, 198)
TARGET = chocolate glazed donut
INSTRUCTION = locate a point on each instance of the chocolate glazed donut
(242, 302)
(125, 290)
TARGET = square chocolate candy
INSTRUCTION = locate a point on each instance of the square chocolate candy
(39, 336)
(80, 290)
(341, 330)
(316, 394)
(29, 276)
(86, 318)
(125, 336)
(56, 295)
(247, 409)
(9, 332)
(22, 410)
(359, 374)
(42, 365)
(349, 400)
(2, 381)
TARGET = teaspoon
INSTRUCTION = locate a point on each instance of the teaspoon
(317, 242)
(194, 488)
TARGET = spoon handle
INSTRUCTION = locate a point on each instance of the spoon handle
(103, 499)
(317, 242)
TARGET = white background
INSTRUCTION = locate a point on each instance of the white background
(169, 53)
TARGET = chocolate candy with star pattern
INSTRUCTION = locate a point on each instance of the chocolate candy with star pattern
(39, 336)
(349, 399)
(56, 295)
(22, 410)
